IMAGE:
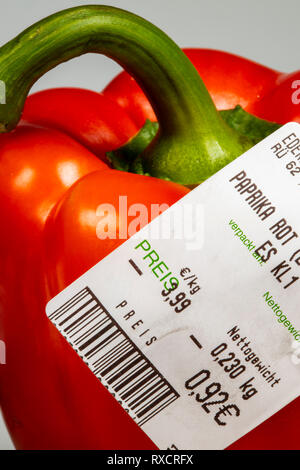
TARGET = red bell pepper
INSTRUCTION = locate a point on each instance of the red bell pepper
(51, 186)
(231, 80)
(93, 119)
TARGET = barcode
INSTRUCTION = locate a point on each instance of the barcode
(113, 357)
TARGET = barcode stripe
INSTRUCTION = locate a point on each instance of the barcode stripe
(96, 336)
(80, 326)
(136, 387)
(88, 332)
(147, 394)
(81, 294)
(74, 323)
(101, 345)
(131, 376)
(118, 362)
(158, 410)
(126, 369)
(114, 354)
(113, 357)
(158, 392)
(76, 311)
(159, 399)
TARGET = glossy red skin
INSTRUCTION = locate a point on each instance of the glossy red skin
(49, 398)
(278, 105)
(280, 432)
(91, 118)
(126, 92)
(230, 80)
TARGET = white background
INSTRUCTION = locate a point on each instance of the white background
(266, 31)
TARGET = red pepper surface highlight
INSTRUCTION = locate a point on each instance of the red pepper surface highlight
(51, 185)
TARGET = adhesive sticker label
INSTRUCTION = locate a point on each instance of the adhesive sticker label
(197, 333)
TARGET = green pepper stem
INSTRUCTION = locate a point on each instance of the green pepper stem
(193, 141)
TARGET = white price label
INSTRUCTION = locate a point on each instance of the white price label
(197, 337)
